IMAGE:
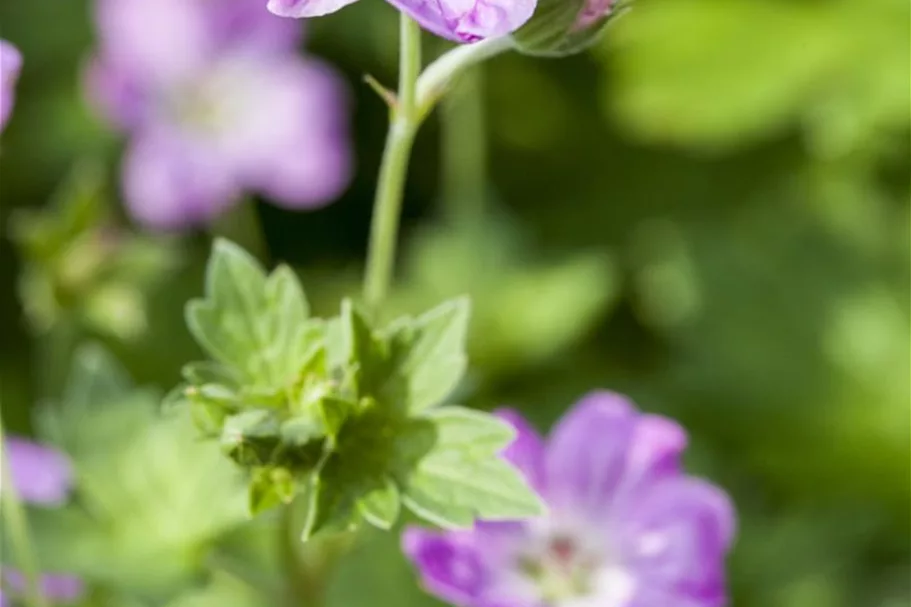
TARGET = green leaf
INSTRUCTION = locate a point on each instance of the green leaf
(380, 507)
(254, 324)
(96, 377)
(181, 487)
(415, 363)
(451, 473)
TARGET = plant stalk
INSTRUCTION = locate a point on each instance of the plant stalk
(387, 205)
(418, 93)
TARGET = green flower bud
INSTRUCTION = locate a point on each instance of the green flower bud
(564, 27)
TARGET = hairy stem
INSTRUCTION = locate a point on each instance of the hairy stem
(16, 525)
(388, 202)
(417, 95)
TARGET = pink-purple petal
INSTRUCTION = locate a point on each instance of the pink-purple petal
(10, 66)
(289, 139)
(40, 474)
(468, 20)
(451, 566)
(678, 535)
(526, 452)
(170, 182)
(59, 588)
(299, 9)
(655, 451)
(587, 453)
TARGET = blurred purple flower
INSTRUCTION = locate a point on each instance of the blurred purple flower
(59, 589)
(458, 20)
(626, 528)
(41, 475)
(217, 102)
(10, 66)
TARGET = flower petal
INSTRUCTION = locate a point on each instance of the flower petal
(677, 537)
(10, 66)
(527, 450)
(40, 474)
(451, 567)
(171, 182)
(289, 138)
(298, 9)
(116, 94)
(657, 444)
(58, 588)
(468, 20)
(586, 455)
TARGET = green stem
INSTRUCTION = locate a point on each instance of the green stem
(16, 525)
(388, 202)
(309, 566)
(307, 582)
(464, 149)
(440, 74)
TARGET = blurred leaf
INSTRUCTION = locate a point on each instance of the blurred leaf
(724, 83)
(522, 311)
(136, 471)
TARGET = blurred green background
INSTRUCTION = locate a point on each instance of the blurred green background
(709, 211)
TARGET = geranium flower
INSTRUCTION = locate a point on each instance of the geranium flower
(626, 528)
(217, 103)
(458, 20)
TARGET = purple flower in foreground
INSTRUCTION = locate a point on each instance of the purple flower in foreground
(41, 475)
(458, 20)
(217, 102)
(59, 589)
(626, 528)
(10, 66)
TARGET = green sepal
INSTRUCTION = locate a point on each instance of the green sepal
(270, 487)
(381, 505)
(553, 31)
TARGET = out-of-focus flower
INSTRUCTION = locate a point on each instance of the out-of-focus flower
(10, 66)
(40, 475)
(59, 589)
(458, 20)
(217, 102)
(626, 528)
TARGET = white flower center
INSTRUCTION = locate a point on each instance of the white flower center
(569, 571)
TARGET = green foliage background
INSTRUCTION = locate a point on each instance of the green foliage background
(708, 211)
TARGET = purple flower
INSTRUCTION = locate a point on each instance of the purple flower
(41, 475)
(217, 102)
(458, 20)
(59, 589)
(10, 66)
(626, 528)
